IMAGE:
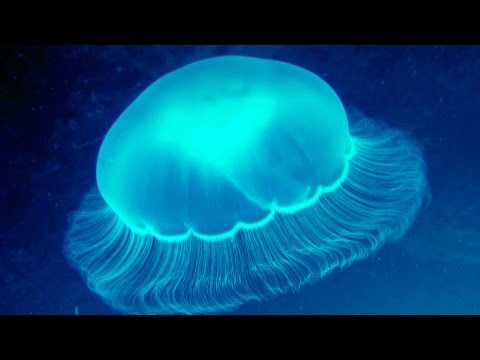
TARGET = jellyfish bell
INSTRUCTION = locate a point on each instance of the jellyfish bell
(203, 149)
(236, 178)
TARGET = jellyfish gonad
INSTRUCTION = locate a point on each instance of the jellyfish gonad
(234, 179)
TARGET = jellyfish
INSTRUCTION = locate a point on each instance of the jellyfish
(234, 179)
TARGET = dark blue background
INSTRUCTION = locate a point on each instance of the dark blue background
(56, 103)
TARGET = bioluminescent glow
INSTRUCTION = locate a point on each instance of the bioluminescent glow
(237, 178)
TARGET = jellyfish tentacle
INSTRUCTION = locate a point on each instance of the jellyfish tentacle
(383, 190)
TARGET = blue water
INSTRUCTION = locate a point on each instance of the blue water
(56, 104)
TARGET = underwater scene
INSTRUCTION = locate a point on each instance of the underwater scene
(239, 180)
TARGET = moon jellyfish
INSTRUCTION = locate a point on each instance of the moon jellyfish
(234, 179)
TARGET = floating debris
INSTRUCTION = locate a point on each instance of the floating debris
(92, 142)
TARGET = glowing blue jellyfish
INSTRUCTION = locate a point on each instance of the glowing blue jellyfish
(236, 178)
